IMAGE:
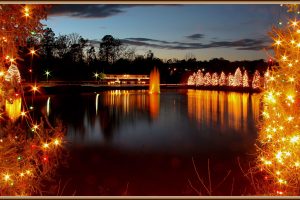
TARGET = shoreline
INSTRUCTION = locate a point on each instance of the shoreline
(82, 88)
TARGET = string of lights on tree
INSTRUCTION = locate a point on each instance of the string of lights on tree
(279, 135)
(30, 149)
(236, 80)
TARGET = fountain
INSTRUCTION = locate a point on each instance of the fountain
(154, 89)
(154, 85)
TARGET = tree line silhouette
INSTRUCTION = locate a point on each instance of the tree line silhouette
(74, 58)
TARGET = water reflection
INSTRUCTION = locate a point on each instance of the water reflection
(96, 102)
(227, 110)
(48, 106)
(190, 119)
(154, 105)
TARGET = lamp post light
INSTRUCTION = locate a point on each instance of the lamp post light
(96, 76)
(47, 73)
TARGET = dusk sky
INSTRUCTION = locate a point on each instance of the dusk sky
(234, 32)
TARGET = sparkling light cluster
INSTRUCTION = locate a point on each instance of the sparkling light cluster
(236, 80)
(17, 23)
(279, 135)
(25, 162)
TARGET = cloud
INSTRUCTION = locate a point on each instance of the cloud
(86, 11)
(243, 44)
(196, 36)
(92, 10)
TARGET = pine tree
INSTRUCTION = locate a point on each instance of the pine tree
(245, 79)
(215, 79)
(256, 80)
(238, 78)
(207, 79)
(222, 80)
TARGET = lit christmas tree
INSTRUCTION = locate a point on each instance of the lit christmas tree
(256, 84)
(191, 79)
(199, 78)
(207, 79)
(215, 79)
(279, 135)
(222, 80)
(245, 79)
(231, 80)
(238, 78)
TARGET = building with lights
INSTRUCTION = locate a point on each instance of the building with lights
(112, 79)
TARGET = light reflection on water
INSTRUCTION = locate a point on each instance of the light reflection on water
(227, 110)
(175, 120)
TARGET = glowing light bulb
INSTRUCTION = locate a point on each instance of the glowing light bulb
(290, 118)
(6, 177)
(23, 114)
(294, 23)
(56, 142)
(46, 145)
(278, 42)
(32, 51)
(284, 57)
(290, 98)
(34, 88)
(294, 139)
(34, 127)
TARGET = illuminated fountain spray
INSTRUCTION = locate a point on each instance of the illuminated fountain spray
(154, 89)
(154, 84)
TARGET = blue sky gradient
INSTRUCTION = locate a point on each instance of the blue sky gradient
(234, 32)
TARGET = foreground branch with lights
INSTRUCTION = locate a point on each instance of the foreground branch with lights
(30, 150)
(279, 135)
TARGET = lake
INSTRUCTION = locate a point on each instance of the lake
(128, 142)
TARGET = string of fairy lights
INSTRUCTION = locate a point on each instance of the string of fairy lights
(279, 135)
(30, 151)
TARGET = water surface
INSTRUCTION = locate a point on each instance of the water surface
(135, 143)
